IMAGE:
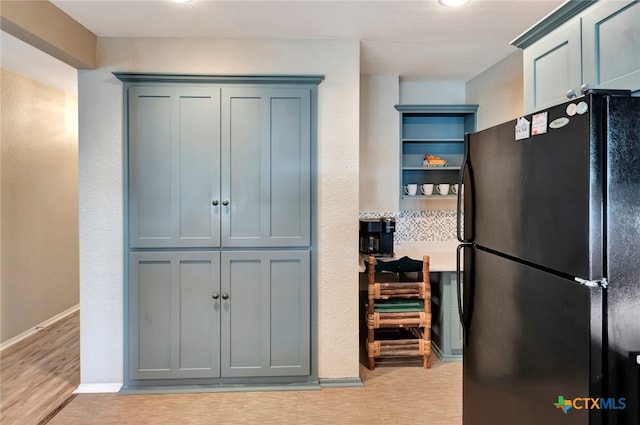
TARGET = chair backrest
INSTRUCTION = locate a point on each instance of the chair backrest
(396, 289)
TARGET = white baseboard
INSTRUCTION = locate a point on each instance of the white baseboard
(39, 327)
(98, 388)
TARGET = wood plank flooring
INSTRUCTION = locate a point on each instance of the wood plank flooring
(394, 393)
(39, 373)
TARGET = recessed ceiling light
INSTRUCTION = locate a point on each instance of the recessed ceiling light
(452, 3)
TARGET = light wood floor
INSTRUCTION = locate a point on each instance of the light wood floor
(404, 394)
(39, 373)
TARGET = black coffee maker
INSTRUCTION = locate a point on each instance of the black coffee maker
(376, 236)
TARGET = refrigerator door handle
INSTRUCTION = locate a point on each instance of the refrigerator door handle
(459, 216)
(460, 285)
(593, 283)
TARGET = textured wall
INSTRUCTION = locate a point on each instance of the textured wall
(498, 91)
(39, 203)
(101, 185)
(379, 145)
(421, 92)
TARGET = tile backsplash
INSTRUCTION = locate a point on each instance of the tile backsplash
(421, 226)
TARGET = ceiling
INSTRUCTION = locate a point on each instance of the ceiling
(412, 39)
(398, 37)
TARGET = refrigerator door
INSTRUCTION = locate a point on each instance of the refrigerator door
(539, 199)
(531, 337)
(623, 267)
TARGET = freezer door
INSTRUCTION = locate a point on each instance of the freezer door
(540, 198)
(531, 337)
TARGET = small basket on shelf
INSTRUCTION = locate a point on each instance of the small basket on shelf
(433, 161)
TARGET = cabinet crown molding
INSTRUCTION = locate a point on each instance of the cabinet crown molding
(445, 109)
(131, 77)
(553, 20)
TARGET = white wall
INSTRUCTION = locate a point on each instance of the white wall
(379, 144)
(498, 91)
(101, 186)
(423, 92)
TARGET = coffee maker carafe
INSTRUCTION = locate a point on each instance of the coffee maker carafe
(376, 236)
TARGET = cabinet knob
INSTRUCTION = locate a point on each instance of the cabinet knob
(214, 202)
(225, 296)
(584, 88)
(215, 296)
(571, 94)
(225, 202)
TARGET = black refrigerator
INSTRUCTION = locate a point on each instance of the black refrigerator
(550, 279)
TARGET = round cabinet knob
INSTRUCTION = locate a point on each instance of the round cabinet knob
(584, 88)
(571, 94)
(225, 202)
(215, 296)
(214, 202)
(225, 296)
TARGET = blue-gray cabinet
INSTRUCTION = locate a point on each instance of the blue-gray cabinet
(583, 45)
(266, 167)
(446, 330)
(436, 130)
(611, 45)
(196, 183)
(553, 67)
(174, 315)
(265, 323)
(207, 314)
(174, 166)
(220, 225)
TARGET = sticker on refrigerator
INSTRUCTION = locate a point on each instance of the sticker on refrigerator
(522, 128)
(582, 108)
(560, 122)
(539, 125)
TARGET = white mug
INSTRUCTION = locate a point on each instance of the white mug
(426, 189)
(443, 188)
(411, 189)
(454, 188)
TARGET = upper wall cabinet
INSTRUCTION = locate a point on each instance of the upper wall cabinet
(552, 68)
(611, 45)
(583, 45)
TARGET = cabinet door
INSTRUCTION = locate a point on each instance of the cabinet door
(266, 316)
(266, 167)
(174, 315)
(174, 160)
(552, 67)
(611, 45)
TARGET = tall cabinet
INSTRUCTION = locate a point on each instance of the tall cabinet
(220, 229)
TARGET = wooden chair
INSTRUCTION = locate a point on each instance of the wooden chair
(399, 305)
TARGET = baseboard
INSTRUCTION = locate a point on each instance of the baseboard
(445, 357)
(40, 326)
(340, 382)
(98, 388)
